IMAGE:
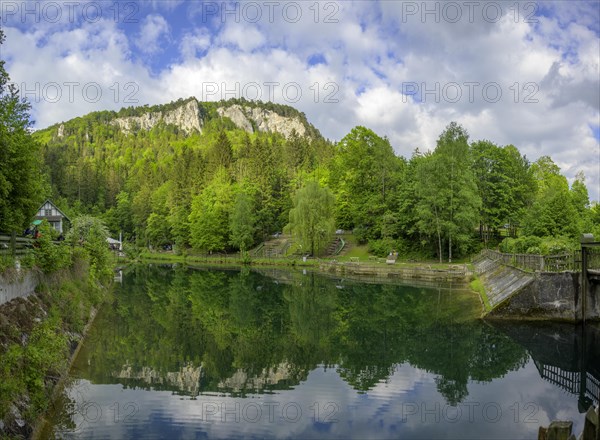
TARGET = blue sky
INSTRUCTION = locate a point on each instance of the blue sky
(522, 73)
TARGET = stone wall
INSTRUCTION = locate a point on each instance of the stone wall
(550, 295)
(19, 284)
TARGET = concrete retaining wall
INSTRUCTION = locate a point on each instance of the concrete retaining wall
(517, 294)
(549, 296)
(501, 282)
(21, 285)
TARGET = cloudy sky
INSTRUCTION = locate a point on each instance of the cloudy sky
(522, 73)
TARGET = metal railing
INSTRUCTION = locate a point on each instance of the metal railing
(568, 261)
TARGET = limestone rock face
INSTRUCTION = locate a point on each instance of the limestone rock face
(264, 120)
(269, 376)
(186, 117)
(186, 380)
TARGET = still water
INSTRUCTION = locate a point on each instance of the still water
(200, 353)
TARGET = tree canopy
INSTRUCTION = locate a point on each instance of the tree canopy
(22, 185)
(224, 188)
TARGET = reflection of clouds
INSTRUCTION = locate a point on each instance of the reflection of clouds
(406, 405)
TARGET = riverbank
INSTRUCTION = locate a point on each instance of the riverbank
(39, 335)
(360, 268)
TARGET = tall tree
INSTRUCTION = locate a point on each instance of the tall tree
(504, 185)
(22, 186)
(242, 222)
(312, 217)
(449, 202)
(365, 173)
(209, 218)
(552, 212)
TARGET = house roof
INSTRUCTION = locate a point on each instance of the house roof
(56, 207)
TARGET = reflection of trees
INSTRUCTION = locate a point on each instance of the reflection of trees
(228, 322)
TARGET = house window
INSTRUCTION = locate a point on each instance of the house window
(47, 212)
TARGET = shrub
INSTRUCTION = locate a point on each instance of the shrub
(538, 245)
(49, 257)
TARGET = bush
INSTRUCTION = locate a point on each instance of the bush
(90, 233)
(537, 245)
(382, 247)
(49, 257)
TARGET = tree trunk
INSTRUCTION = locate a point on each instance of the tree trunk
(450, 248)
(439, 234)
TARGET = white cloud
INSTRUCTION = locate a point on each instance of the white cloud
(371, 52)
(153, 31)
(194, 42)
(247, 38)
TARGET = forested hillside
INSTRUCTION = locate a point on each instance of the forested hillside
(223, 176)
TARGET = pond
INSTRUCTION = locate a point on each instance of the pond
(208, 353)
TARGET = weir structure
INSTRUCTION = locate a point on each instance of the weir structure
(590, 273)
(562, 287)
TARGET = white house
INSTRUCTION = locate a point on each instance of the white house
(48, 211)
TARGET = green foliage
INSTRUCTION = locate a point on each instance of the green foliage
(49, 257)
(477, 286)
(242, 222)
(383, 247)
(209, 219)
(504, 183)
(365, 174)
(24, 369)
(447, 203)
(553, 212)
(38, 354)
(163, 186)
(22, 184)
(91, 233)
(311, 218)
(538, 245)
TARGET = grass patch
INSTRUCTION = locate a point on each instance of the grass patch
(360, 251)
(478, 287)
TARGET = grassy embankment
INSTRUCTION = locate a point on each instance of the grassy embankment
(477, 286)
(39, 333)
(353, 252)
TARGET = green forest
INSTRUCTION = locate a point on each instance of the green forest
(225, 189)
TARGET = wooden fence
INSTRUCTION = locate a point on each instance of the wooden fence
(568, 261)
(15, 245)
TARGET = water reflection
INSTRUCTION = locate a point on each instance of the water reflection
(566, 355)
(347, 358)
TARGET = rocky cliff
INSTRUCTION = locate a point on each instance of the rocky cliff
(251, 119)
(186, 117)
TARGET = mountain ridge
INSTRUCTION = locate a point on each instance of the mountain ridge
(190, 115)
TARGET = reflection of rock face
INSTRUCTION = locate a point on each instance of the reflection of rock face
(264, 120)
(270, 376)
(186, 380)
(186, 117)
